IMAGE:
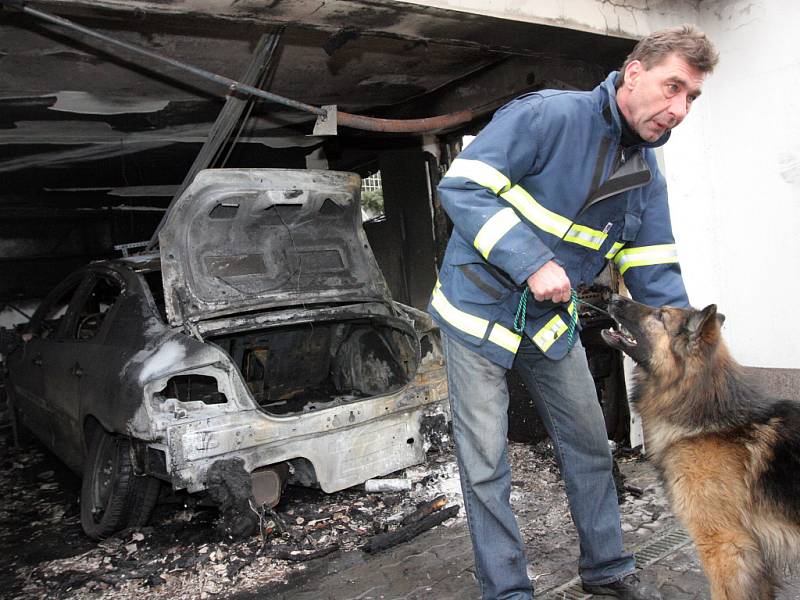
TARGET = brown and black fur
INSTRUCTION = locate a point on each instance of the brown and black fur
(729, 456)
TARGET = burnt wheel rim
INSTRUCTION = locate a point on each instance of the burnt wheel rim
(103, 478)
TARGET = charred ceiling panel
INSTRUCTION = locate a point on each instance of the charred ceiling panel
(79, 118)
(348, 19)
(36, 70)
(359, 56)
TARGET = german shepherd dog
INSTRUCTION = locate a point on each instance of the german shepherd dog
(728, 456)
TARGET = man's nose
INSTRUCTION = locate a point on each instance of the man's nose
(679, 107)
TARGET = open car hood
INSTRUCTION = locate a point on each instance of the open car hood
(246, 239)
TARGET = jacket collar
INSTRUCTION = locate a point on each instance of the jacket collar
(608, 93)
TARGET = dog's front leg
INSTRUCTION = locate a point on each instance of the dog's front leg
(734, 566)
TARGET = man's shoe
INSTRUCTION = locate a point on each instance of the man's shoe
(627, 588)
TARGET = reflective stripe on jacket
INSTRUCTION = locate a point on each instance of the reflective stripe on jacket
(545, 180)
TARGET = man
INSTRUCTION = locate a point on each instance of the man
(556, 185)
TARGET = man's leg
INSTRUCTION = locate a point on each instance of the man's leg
(566, 400)
(479, 401)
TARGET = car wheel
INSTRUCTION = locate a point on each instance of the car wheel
(112, 495)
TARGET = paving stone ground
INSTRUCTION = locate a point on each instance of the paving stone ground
(438, 564)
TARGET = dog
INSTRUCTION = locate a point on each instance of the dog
(729, 456)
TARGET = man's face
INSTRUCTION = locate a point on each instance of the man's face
(656, 100)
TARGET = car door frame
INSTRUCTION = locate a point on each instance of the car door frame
(68, 409)
(29, 382)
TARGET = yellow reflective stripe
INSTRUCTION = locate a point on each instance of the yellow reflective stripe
(646, 255)
(586, 236)
(480, 173)
(548, 334)
(614, 249)
(505, 338)
(543, 218)
(494, 229)
(537, 214)
(474, 326)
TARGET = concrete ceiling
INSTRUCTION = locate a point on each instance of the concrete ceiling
(59, 87)
(81, 121)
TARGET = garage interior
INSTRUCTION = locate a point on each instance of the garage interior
(96, 140)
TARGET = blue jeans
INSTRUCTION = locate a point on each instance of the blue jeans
(567, 404)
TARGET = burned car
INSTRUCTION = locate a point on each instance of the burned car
(260, 344)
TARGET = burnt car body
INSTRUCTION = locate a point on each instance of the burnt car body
(259, 344)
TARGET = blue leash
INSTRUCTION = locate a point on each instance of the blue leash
(522, 307)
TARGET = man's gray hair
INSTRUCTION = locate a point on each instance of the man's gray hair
(686, 41)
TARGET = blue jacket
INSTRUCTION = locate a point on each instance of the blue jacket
(547, 179)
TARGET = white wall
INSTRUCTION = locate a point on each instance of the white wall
(622, 18)
(733, 169)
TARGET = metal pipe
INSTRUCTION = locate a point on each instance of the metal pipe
(426, 125)
(220, 79)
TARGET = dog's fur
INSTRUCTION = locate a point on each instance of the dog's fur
(729, 456)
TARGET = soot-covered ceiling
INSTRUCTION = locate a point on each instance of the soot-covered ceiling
(94, 138)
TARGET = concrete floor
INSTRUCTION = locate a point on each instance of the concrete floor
(438, 564)
(42, 542)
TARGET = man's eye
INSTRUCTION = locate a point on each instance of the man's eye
(672, 88)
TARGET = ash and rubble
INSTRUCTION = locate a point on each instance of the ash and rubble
(184, 553)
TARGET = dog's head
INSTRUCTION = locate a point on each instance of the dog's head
(662, 340)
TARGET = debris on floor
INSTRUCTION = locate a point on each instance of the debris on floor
(184, 554)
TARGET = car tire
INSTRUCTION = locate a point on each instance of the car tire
(112, 495)
(145, 495)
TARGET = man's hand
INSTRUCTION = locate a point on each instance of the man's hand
(550, 282)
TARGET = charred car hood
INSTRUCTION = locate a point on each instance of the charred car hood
(246, 239)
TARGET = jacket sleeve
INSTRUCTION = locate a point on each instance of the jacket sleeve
(649, 264)
(479, 190)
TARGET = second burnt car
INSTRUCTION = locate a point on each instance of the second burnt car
(259, 344)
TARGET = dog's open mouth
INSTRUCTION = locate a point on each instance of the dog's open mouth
(620, 335)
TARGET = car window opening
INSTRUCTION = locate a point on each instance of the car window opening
(93, 312)
(47, 319)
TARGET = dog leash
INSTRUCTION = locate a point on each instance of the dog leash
(522, 307)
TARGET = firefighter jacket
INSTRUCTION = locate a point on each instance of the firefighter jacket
(547, 179)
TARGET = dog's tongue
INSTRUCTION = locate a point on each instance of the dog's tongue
(619, 336)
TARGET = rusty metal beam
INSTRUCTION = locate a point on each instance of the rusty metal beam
(418, 126)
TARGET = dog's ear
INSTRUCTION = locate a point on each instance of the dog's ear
(705, 323)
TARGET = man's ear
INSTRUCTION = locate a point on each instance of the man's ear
(632, 72)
